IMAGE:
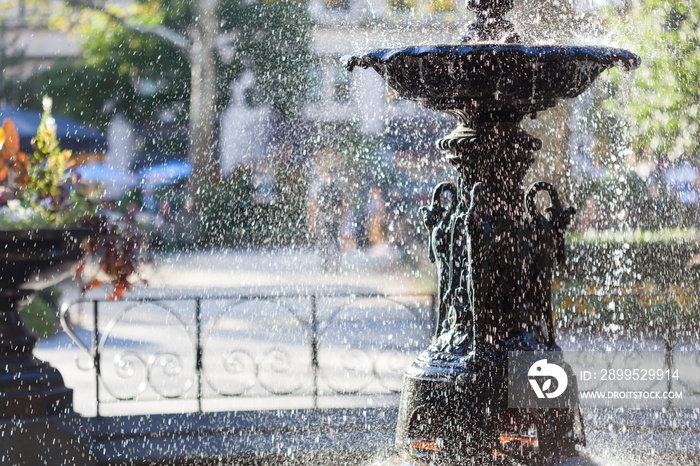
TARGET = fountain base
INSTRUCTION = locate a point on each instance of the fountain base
(455, 410)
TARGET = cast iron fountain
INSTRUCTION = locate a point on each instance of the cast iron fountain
(495, 250)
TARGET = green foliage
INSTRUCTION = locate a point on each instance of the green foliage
(618, 200)
(611, 259)
(11, 57)
(657, 236)
(121, 69)
(223, 206)
(621, 200)
(40, 314)
(142, 75)
(664, 312)
(275, 40)
(664, 99)
(230, 216)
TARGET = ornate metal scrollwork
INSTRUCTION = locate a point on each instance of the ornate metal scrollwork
(225, 352)
(230, 368)
(132, 373)
(496, 255)
(543, 243)
(131, 367)
(169, 377)
(362, 362)
(276, 366)
(163, 373)
(495, 258)
(559, 218)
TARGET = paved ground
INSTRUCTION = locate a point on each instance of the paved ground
(380, 268)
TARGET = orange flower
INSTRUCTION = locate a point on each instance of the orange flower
(10, 156)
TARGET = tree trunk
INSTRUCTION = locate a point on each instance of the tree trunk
(203, 110)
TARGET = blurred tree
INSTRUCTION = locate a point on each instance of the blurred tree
(180, 56)
(664, 99)
(275, 42)
(550, 21)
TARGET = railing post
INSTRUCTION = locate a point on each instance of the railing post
(198, 351)
(314, 349)
(668, 362)
(96, 355)
(433, 317)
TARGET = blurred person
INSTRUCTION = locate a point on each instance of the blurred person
(326, 206)
(376, 217)
(348, 231)
(166, 222)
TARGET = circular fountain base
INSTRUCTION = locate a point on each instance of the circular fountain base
(455, 410)
(449, 407)
(398, 460)
(444, 421)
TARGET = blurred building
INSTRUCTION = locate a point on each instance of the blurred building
(25, 28)
(339, 98)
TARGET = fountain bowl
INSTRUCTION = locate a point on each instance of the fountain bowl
(507, 81)
(30, 260)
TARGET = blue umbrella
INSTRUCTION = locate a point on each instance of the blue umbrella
(71, 134)
(165, 173)
(100, 172)
(681, 182)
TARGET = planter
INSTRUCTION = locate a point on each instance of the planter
(31, 260)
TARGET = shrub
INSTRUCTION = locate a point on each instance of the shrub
(231, 217)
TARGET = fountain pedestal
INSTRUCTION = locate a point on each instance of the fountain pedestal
(495, 251)
(29, 387)
(31, 260)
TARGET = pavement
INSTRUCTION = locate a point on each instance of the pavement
(380, 267)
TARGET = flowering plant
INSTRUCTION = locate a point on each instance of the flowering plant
(39, 191)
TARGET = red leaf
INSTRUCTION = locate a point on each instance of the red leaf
(11, 137)
(80, 268)
(95, 283)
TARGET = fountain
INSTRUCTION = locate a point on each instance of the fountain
(495, 250)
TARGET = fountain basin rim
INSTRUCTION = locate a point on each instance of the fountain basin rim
(18, 234)
(602, 54)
